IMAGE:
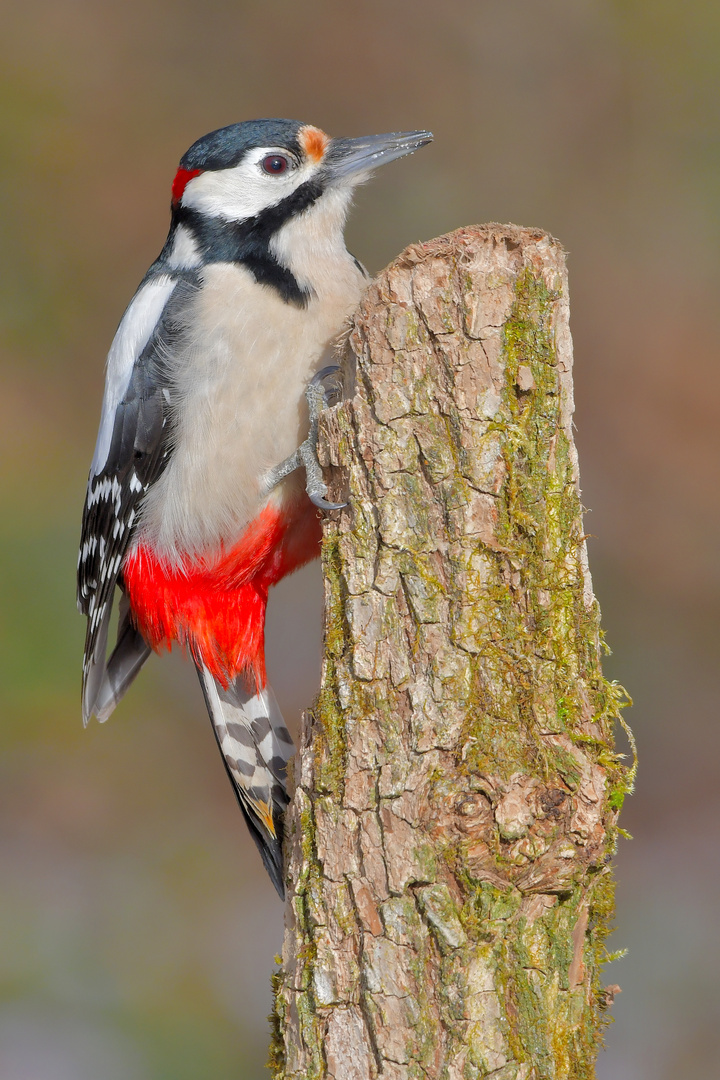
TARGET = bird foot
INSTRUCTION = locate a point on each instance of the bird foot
(321, 393)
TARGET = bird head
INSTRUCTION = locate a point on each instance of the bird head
(241, 171)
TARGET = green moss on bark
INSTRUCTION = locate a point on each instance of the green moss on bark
(329, 727)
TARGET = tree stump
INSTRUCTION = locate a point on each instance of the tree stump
(457, 787)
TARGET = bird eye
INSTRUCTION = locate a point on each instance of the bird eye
(275, 164)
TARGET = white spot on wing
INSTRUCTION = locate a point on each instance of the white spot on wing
(100, 491)
(133, 334)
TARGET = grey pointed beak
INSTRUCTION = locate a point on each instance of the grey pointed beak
(357, 157)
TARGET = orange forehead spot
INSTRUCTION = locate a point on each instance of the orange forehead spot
(313, 142)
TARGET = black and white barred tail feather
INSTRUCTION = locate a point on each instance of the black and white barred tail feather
(256, 747)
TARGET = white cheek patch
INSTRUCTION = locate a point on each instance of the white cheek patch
(244, 191)
(133, 334)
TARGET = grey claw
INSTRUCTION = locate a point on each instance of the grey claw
(328, 392)
(323, 504)
(324, 373)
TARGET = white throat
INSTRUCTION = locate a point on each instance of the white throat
(311, 245)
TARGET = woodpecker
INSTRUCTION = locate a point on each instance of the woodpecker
(195, 504)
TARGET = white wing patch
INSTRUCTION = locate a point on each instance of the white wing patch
(133, 334)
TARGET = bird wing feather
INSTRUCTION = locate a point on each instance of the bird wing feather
(132, 449)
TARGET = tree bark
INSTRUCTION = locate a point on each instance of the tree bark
(457, 788)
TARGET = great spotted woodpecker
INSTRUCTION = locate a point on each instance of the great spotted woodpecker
(193, 508)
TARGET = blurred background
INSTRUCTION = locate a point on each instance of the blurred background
(138, 931)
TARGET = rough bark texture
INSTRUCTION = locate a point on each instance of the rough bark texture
(456, 788)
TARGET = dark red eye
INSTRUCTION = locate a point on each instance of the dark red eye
(275, 164)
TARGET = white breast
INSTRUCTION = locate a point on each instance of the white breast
(238, 397)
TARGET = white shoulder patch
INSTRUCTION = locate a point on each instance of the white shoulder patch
(133, 334)
(185, 254)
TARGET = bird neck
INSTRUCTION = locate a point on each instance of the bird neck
(295, 246)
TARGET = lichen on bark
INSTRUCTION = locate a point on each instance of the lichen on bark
(457, 786)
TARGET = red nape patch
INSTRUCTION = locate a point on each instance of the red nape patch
(217, 607)
(182, 179)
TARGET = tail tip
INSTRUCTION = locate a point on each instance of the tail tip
(272, 857)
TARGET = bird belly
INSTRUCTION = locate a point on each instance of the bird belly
(216, 607)
(238, 407)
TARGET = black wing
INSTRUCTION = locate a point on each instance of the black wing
(139, 447)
